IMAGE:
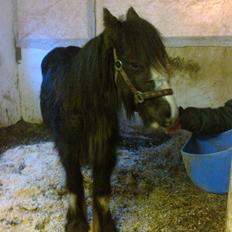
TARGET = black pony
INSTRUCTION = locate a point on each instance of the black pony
(82, 91)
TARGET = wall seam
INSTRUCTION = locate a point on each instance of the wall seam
(15, 4)
(91, 13)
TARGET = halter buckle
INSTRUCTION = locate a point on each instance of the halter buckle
(138, 97)
(118, 65)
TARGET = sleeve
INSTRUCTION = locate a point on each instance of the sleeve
(207, 121)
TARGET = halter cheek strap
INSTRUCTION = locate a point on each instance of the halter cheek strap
(139, 97)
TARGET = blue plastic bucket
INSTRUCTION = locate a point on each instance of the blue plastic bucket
(207, 161)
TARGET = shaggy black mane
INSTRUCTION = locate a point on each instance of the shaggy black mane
(145, 41)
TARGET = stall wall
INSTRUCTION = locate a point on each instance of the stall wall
(43, 25)
(9, 94)
(46, 24)
(177, 18)
(202, 75)
(197, 34)
(198, 37)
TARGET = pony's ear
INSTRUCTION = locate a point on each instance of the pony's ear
(131, 14)
(109, 19)
(111, 24)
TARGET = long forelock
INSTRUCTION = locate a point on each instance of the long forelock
(145, 40)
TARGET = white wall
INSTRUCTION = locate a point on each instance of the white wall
(42, 25)
(202, 75)
(9, 95)
(177, 18)
(30, 82)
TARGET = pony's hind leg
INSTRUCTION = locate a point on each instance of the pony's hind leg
(102, 219)
(77, 220)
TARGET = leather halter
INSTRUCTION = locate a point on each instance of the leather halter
(139, 97)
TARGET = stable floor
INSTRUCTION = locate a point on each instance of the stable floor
(151, 191)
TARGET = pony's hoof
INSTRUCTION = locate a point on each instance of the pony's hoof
(76, 227)
(108, 228)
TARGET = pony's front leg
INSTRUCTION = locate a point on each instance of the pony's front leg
(77, 220)
(102, 219)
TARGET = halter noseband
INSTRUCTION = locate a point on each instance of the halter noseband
(139, 97)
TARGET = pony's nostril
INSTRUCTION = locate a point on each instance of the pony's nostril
(155, 125)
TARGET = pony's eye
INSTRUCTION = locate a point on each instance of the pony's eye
(149, 81)
(135, 66)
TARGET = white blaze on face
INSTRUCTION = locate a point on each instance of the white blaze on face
(161, 82)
